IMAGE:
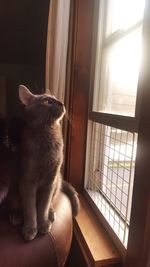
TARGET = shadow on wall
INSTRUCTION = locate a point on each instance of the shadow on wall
(23, 28)
(10, 78)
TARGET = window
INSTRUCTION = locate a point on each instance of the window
(112, 126)
(118, 56)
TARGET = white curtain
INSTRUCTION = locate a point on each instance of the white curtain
(57, 46)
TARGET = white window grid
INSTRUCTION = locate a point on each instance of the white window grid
(111, 175)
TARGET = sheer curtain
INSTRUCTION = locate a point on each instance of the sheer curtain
(57, 46)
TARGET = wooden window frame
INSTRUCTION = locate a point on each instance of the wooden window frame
(83, 21)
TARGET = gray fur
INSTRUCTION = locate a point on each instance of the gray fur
(42, 157)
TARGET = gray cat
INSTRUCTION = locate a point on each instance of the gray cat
(42, 157)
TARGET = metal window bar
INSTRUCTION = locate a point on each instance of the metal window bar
(111, 175)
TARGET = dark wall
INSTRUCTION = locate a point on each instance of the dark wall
(23, 32)
(23, 29)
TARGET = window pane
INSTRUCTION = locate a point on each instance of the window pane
(110, 175)
(122, 15)
(117, 77)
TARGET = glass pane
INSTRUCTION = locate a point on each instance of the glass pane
(117, 168)
(122, 14)
(110, 175)
(118, 76)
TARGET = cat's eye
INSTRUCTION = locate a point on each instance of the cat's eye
(47, 101)
(50, 101)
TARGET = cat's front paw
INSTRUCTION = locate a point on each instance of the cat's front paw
(45, 227)
(29, 233)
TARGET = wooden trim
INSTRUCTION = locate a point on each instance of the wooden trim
(139, 235)
(96, 246)
(101, 219)
(118, 121)
(79, 91)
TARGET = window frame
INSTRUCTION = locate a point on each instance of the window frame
(81, 64)
(122, 122)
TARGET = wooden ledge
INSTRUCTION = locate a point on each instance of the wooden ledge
(95, 244)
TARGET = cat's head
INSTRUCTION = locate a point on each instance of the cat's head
(41, 109)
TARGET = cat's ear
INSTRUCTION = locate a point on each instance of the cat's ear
(25, 96)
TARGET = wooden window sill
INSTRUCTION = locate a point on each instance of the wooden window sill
(95, 244)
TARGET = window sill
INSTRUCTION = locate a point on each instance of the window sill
(95, 244)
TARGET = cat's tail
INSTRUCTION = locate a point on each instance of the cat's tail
(3, 191)
(70, 191)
